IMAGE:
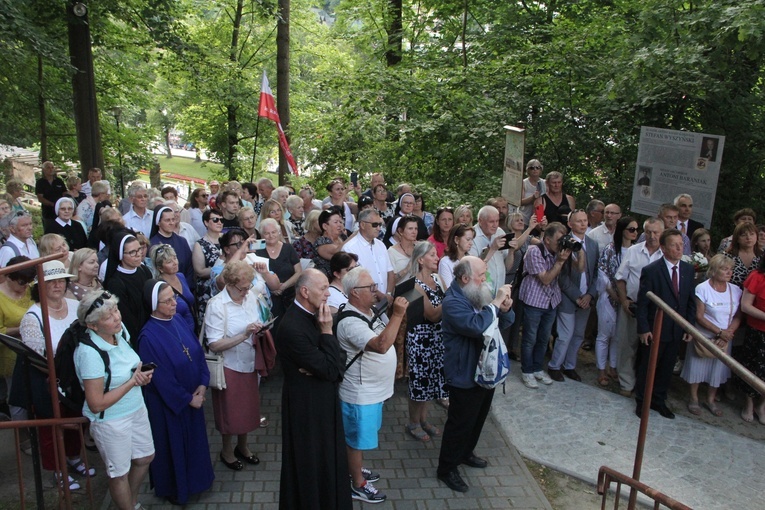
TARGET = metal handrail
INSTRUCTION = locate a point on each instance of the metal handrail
(752, 380)
(606, 476)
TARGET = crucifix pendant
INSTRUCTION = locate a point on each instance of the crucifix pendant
(186, 352)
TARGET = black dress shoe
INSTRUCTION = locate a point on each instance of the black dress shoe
(236, 465)
(663, 410)
(555, 375)
(454, 481)
(571, 374)
(639, 408)
(475, 461)
(252, 459)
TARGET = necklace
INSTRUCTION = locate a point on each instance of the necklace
(405, 253)
(184, 348)
(63, 305)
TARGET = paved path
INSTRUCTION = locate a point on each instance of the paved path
(575, 428)
(408, 468)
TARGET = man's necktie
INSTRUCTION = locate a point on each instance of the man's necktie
(682, 227)
(675, 282)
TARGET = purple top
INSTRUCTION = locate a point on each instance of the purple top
(533, 293)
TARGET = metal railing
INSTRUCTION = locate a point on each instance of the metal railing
(606, 475)
(57, 422)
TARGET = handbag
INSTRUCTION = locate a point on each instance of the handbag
(700, 350)
(214, 360)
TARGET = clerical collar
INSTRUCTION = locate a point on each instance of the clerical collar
(297, 303)
(125, 270)
(63, 223)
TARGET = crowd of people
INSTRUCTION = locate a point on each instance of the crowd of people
(264, 273)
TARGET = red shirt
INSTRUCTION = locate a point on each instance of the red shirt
(755, 284)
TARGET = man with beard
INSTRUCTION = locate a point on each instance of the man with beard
(468, 310)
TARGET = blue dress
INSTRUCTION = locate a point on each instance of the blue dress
(181, 465)
(182, 251)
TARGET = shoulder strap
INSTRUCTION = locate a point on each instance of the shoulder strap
(86, 340)
(202, 339)
(342, 314)
(12, 246)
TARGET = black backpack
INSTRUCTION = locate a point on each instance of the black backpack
(342, 313)
(71, 393)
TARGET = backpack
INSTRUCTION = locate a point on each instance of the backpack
(342, 313)
(493, 361)
(71, 393)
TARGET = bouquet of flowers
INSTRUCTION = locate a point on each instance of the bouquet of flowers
(698, 261)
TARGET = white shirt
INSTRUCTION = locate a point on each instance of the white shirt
(139, 223)
(28, 248)
(224, 319)
(369, 380)
(633, 262)
(446, 271)
(373, 257)
(190, 234)
(495, 265)
(602, 236)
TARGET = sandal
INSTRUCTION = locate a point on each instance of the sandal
(694, 408)
(714, 409)
(416, 432)
(432, 430)
(603, 380)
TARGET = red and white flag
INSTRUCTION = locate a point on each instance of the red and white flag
(267, 109)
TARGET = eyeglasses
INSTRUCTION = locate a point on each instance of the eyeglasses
(632, 230)
(599, 211)
(171, 299)
(534, 168)
(375, 224)
(237, 245)
(372, 288)
(99, 302)
(216, 219)
(444, 209)
(204, 195)
(243, 290)
(134, 253)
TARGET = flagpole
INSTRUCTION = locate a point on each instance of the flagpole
(254, 149)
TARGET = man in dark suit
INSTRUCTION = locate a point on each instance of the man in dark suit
(671, 280)
(578, 285)
(685, 224)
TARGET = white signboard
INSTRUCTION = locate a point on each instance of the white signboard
(673, 162)
(512, 173)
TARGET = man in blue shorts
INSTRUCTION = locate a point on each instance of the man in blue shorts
(368, 381)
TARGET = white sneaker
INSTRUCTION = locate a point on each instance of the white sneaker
(543, 377)
(529, 381)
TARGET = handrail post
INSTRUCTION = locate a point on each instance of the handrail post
(646, 410)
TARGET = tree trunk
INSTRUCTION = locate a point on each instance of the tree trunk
(395, 33)
(84, 92)
(283, 80)
(167, 142)
(231, 109)
(41, 107)
(155, 174)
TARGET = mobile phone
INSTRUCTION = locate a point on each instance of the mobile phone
(508, 237)
(257, 244)
(355, 178)
(539, 210)
(268, 325)
(146, 367)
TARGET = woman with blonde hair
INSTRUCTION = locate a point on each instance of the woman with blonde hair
(13, 191)
(304, 245)
(463, 214)
(55, 243)
(84, 269)
(273, 209)
(717, 318)
(248, 220)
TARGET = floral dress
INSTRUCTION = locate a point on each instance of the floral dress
(425, 353)
(320, 262)
(211, 253)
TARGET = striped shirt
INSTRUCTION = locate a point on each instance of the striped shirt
(533, 293)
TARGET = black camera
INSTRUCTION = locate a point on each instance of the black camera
(568, 242)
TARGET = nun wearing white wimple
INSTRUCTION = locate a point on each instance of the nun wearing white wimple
(163, 232)
(175, 398)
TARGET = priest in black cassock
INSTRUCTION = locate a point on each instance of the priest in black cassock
(314, 463)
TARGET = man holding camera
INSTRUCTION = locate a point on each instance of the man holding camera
(540, 295)
(627, 285)
(492, 246)
(578, 288)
